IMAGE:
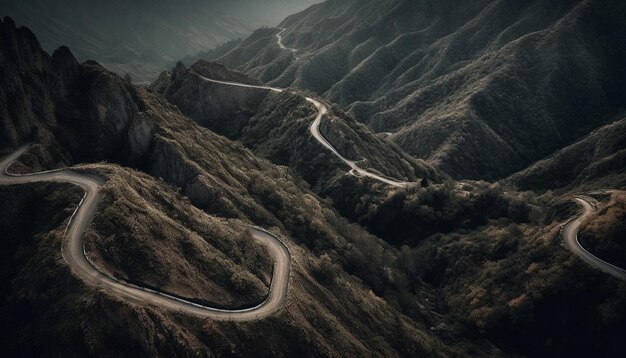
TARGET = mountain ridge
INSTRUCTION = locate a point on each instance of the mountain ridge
(481, 96)
(140, 37)
(435, 268)
(141, 137)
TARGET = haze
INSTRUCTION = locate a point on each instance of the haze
(143, 37)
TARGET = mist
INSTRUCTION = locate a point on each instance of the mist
(143, 37)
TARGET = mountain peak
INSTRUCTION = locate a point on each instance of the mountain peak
(7, 21)
(63, 57)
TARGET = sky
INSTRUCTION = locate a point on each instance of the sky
(143, 36)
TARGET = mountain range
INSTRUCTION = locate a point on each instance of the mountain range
(422, 165)
(142, 37)
(478, 89)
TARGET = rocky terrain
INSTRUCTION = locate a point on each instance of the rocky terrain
(275, 126)
(437, 267)
(144, 232)
(479, 89)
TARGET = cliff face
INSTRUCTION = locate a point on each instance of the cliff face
(142, 37)
(28, 74)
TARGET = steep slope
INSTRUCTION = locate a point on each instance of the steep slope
(344, 287)
(142, 37)
(275, 125)
(594, 162)
(480, 89)
(604, 234)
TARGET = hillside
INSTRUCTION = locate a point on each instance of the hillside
(604, 234)
(143, 37)
(596, 161)
(275, 126)
(147, 232)
(430, 268)
(479, 89)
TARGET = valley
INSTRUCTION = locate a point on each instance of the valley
(315, 132)
(570, 234)
(381, 178)
(74, 252)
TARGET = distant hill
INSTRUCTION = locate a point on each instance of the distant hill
(143, 37)
(480, 89)
(597, 161)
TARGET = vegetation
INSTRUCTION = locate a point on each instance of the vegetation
(410, 215)
(604, 233)
(594, 162)
(437, 268)
(275, 126)
(517, 285)
(146, 231)
(478, 89)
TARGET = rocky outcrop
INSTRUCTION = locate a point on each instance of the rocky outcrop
(200, 192)
(223, 109)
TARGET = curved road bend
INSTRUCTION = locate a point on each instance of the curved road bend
(570, 235)
(279, 41)
(74, 254)
(315, 131)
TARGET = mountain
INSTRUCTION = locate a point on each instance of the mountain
(383, 254)
(596, 161)
(181, 233)
(143, 37)
(267, 122)
(479, 89)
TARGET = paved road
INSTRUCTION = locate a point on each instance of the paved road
(279, 41)
(315, 131)
(570, 235)
(74, 254)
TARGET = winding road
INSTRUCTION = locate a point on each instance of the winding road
(73, 248)
(570, 235)
(279, 41)
(322, 110)
(73, 251)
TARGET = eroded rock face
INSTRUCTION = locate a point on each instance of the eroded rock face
(140, 134)
(167, 163)
(111, 103)
(84, 105)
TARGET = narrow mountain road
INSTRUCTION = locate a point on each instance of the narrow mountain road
(73, 251)
(570, 235)
(279, 41)
(315, 131)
